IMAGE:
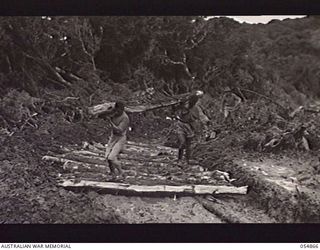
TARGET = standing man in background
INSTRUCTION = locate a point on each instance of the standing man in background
(230, 101)
(189, 113)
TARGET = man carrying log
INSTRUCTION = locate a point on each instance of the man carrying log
(119, 122)
(189, 113)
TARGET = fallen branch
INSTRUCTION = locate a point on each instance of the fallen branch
(263, 96)
(156, 189)
(59, 70)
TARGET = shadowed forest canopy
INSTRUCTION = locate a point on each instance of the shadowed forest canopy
(70, 63)
(175, 54)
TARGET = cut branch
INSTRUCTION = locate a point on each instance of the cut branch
(49, 68)
(263, 96)
(70, 74)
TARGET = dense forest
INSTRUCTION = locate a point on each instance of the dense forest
(53, 67)
(94, 58)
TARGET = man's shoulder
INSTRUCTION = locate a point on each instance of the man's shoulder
(231, 94)
(125, 116)
(198, 106)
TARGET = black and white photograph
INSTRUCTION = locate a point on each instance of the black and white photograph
(159, 119)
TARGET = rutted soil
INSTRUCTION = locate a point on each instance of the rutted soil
(159, 210)
(283, 187)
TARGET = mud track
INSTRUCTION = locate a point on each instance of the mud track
(275, 186)
(153, 164)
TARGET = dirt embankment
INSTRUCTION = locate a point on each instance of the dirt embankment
(29, 193)
(284, 185)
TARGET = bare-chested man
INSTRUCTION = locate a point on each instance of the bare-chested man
(119, 122)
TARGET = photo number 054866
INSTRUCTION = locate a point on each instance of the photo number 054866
(309, 246)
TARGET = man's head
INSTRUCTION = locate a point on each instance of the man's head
(193, 100)
(118, 109)
(227, 89)
(199, 93)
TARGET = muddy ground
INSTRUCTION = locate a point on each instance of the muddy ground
(29, 191)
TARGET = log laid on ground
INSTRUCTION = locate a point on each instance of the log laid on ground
(125, 156)
(153, 145)
(64, 159)
(221, 210)
(100, 161)
(84, 163)
(131, 148)
(81, 166)
(156, 189)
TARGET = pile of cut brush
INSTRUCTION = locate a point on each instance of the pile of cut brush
(276, 139)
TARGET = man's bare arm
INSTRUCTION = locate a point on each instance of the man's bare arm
(203, 118)
(122, 127)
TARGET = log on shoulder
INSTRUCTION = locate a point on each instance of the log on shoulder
(101, 108)
(156, 189)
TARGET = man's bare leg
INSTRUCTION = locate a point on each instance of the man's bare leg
(117, 166)
(113, 156)
(182, 145)
(188, 149)
(112, 168)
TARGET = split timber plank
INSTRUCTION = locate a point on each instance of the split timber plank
(156, 189)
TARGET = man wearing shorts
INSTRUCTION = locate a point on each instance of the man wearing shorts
(119, 122)
(230, 103)
(189, 114)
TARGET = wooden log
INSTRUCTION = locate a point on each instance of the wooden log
(125, 156)
(220, 209)
(104, 107)
(88, 163)
(80, 166)
(156, 189)
(174, 100)
(135, 146)
(155, 146)
(133, 149)
(101, 162)
(63, 159)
